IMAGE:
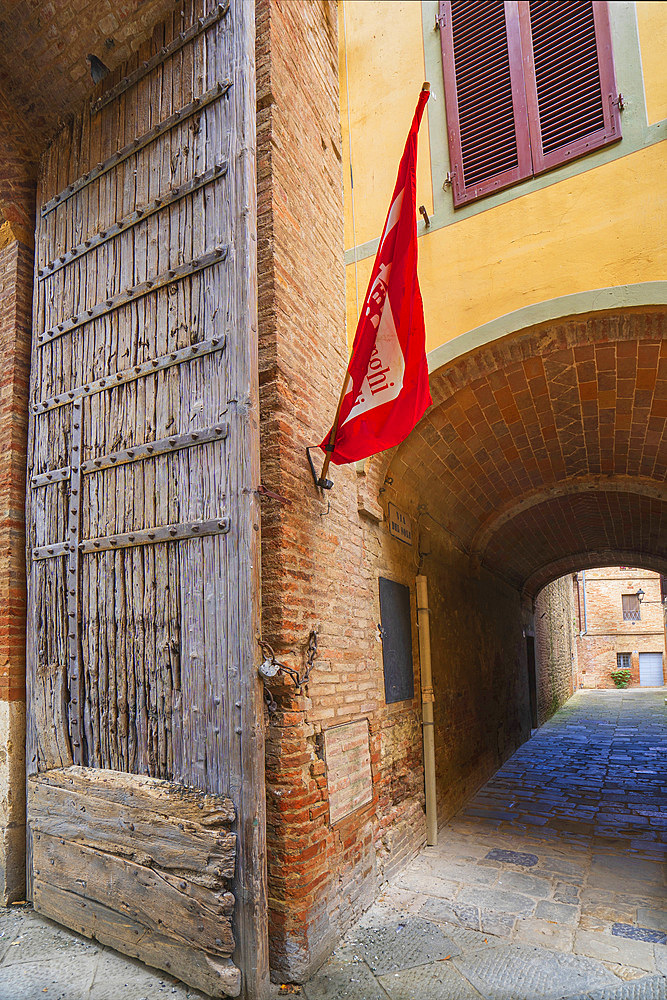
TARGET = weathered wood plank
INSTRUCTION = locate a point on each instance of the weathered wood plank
(128, 295)
(134, 890)
(214, 976)
(135, 146)
(138, 215)
(179, 830)
(166, 799)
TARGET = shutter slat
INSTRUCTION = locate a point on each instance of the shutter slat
(568, 110)
(529, 84)
(485, 108)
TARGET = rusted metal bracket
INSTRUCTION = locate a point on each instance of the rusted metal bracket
(132, 374)
(131, 294)
(424, 215)
(136, 145)
(75, 665)
(271, 495)
(139, 215)
(164, 446)
(167, 50)
(321, 484)
(144, 536)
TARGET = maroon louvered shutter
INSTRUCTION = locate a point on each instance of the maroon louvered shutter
(569, 73)
(485, 96)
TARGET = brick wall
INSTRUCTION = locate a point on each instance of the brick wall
(555, 646)
(607, 633)
(322, 555)
(15, 323)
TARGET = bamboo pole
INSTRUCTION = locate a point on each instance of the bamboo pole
(428, 699)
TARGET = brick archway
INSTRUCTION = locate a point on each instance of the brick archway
(547, 446)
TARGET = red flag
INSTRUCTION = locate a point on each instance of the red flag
(387, 390)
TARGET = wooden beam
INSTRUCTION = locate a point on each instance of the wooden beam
(140, 214)
(164, 446)
(182, 39)
(52, 476)
(72, 583)
(137, 144)
(144, 536)
(126, 375)
(131, 294)
(242, 619)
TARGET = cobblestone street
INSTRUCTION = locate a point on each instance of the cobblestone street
(548, 885)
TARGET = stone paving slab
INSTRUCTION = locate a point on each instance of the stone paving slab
(439, 981)
(40, 960)
(344, 977)
(649, 988)
(404, 944)
(606, 948)
(58, 979)
(517, 972)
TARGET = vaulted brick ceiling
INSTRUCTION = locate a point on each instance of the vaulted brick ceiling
(44, 75)
(43, 48)
(547, 452)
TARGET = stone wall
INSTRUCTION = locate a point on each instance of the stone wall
(15, 323)
(555, 647)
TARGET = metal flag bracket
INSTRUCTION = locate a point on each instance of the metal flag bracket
(320, 483)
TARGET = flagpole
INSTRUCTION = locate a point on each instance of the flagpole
(331, 444)
(323, 482)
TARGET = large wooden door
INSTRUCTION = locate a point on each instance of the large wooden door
(145, 738)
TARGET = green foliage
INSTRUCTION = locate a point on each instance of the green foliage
(621, 677)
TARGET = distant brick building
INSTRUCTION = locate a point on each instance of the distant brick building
(618, 629)
(544, 450)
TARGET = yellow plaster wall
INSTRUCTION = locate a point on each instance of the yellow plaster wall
(653, 41)
(603, 227)
(591, 231)
(387, 36)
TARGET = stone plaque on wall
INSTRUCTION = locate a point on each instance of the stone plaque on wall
(348, 761)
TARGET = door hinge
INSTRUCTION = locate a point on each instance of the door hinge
(619, 102)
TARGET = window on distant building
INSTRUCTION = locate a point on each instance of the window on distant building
(623, 661)
(528, 86)
(631, 608)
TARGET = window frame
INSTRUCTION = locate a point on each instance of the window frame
(631, 614)
(464, 193)
(610, 110)
(532, 162)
